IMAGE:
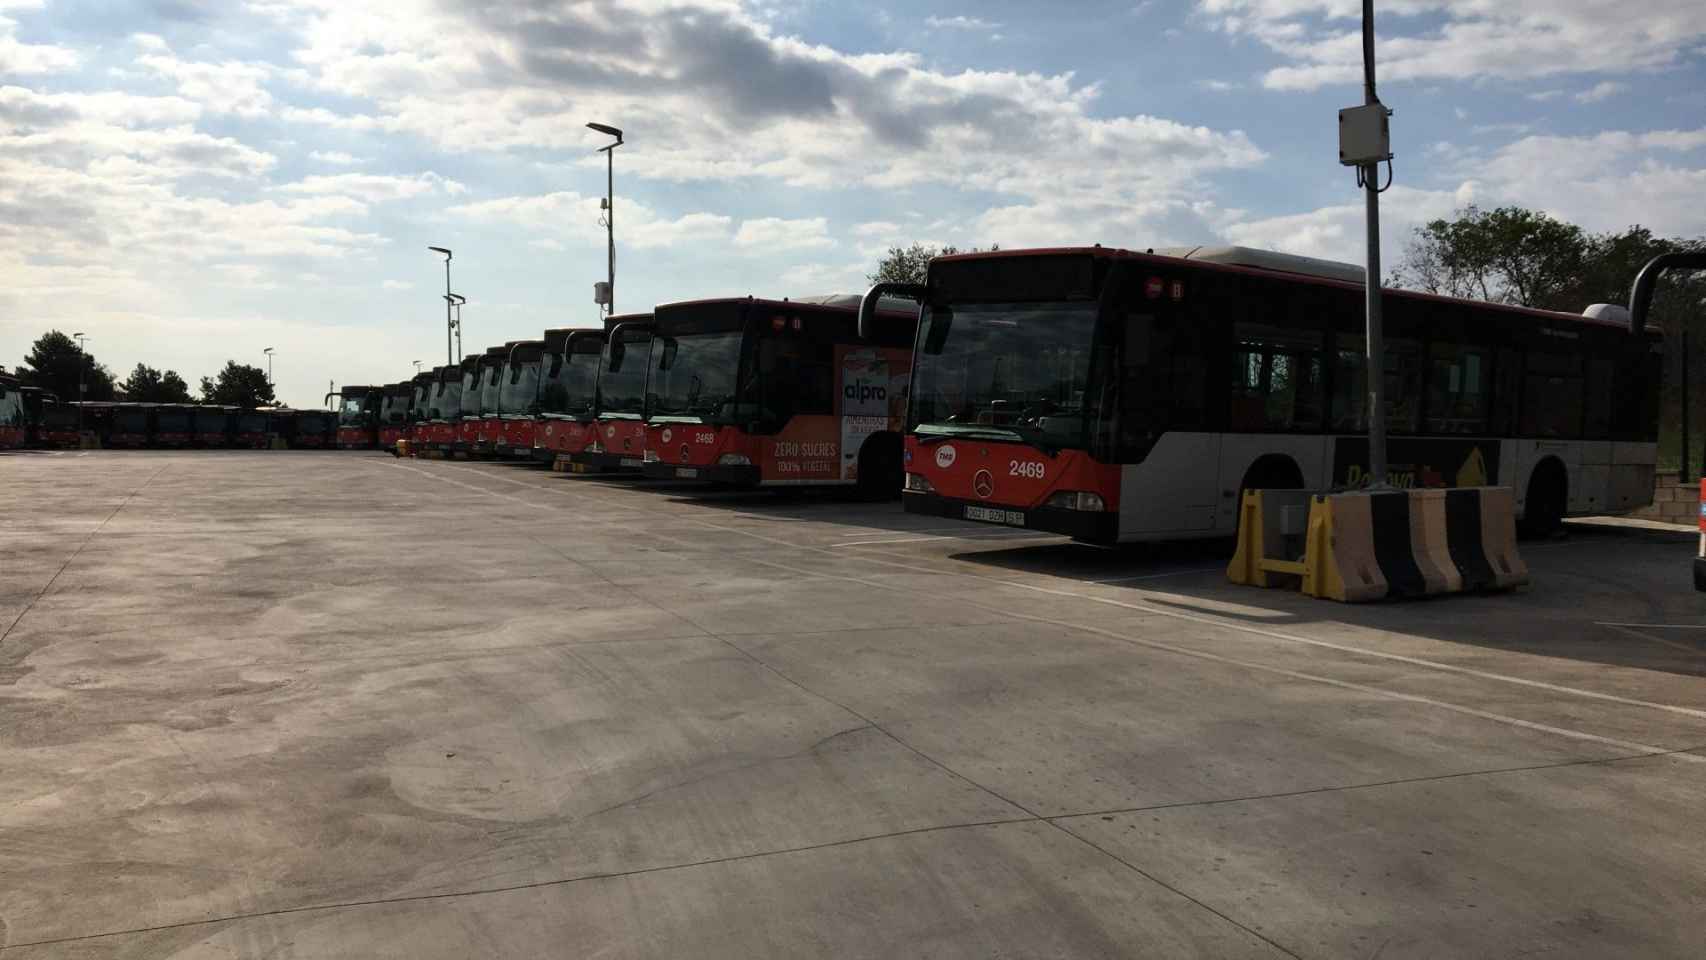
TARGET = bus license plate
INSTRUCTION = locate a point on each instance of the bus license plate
(629, 462)
(686, 473)
(1012, 518)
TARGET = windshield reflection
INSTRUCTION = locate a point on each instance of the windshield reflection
(520, 386)
(1018, 370)
(570, 385)
(700, 378)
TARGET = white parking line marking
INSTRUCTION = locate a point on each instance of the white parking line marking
(1157, 576)
(1653, 626)
(1686, 648)
(997, 535)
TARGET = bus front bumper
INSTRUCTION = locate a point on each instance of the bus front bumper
(744, 475)
(585, 462)
(1099, 527)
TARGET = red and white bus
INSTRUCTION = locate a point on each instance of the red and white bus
(617, 440)
(394, 415)
(1116, 396)
(59, 426)
(358, 416)
(762, 393)
(480, 402)
(13, 428)
(443, 411)
(568, 392)
(420, 403)
(211, 425)
(518, 392)
(252, 430)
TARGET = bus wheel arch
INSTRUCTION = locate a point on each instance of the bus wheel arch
(1547, 497)
(881, 470)
(1271, 471)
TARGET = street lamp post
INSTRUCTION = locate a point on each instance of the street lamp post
(457, 300)
(609, 211)
(82, 387)
(417, 367)
(449, 324)
(268, 352)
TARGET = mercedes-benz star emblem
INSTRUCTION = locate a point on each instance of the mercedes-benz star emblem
(684, 453)
(983, 484)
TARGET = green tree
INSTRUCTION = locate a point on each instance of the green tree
(1508, 255)
(148, 385)
(912, 264)
(54, 363)
(239, 385)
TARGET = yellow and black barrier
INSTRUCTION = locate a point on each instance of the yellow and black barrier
(1374, 545)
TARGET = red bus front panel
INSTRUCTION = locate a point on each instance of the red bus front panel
(1013, 484)
(353, 438)
(616, 444)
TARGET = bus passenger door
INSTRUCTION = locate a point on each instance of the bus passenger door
(1168, 458)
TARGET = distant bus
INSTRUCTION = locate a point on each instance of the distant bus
(129, 425)
(444, 410)
(172, 427)
(251, 429)
(518, 390)
(13, 429)
(568, 391)
(480, 403)
(210, 426)
(358, 417)
(1116, 396)
(58, 429)
(617, 439)
(778, 393)
(394, 414)
(420, 404)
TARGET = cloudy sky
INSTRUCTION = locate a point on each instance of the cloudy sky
(194, 180)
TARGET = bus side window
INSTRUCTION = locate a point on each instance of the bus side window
(1552, 396)
(1403, 385)
(1457, 388)
(1276, 376)
(1599, 398)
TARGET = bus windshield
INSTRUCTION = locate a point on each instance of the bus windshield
(57, 417)
(11, 406)
(520, 386)
(252, 423)
(212, 421)
(569, 385)
(172, 421)
(695, 375)
(491, 388)
(446, 400)
(418, 405)
(470, 401)
(623, 391)
(131, 421)
(1014, 370)
(351, 413)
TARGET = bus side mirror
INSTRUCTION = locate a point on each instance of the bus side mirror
(617, 351)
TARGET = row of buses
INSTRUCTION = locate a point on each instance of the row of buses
(1109, 395)
(32, 418)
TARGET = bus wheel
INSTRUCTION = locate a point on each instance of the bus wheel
(1548, 499)
(880, 467)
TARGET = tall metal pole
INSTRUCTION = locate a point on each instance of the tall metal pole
(82, 388)
(610, 223)
(1371, 281)
(449, 324)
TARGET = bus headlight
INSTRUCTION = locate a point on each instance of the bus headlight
(918, 483)
(734, 460)
(1077, 500)
(595, 447)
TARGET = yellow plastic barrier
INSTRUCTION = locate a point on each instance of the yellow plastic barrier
(1271, 529)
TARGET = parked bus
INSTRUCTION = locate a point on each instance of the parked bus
(444, 410)
(420, 406)
(568, 392)
(306, 429)
(210, 426)
(518, 392)
(778, 393)
(35, 401)
(358, 417)
(490, 426)
(1116, 396)
(480, 402)
(13, 430)
(129, 425)
(172, 428)
(58, 427)
(618, 435)
(467, 422)
(251, 429)
(394, 415)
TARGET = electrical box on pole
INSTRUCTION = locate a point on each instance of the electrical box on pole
(1365, 135)
(601, 293)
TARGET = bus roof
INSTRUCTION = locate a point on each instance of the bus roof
(837, 301)
(1327, 273)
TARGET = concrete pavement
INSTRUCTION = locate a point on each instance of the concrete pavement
(314, 705)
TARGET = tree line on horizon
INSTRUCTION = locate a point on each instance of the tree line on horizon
(55, 363)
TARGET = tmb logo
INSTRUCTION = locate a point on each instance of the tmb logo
(945, 455)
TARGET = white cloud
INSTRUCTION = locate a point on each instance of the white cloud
(229, 87)
(808, 279)
(1484, 39)
(975, 24)
(336, 158)
(776, 235)
(398, 285)
(375, 188)
(1544, 95)
(18, 58)
(570, 216)
(1603, 90)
